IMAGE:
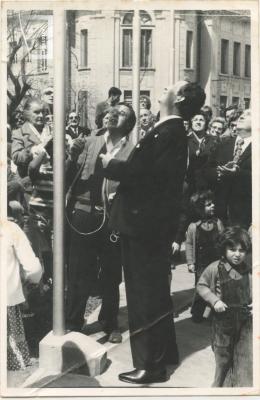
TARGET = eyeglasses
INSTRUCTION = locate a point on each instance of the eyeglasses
(216, 128)
(73, 118)
(49, 92)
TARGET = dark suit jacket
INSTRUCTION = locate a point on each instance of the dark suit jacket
(233, 193)
(223, 153)
(80, 130)
(23, 139)
(198, 161)
(240, 200)
(83, 187)
(148, 199)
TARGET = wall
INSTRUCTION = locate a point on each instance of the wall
(104, 67)
(234, 29)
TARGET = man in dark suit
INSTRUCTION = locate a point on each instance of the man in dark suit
(228, 173)
(90, 244)
(240, 173)
(146, 212)
(73, 129)
(216, 180)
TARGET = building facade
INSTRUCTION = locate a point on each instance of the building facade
(225, 59)
(212, 48)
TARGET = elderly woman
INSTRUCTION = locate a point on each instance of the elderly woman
(217, 126)
(32, 153)
(200, 145)
(31, 138)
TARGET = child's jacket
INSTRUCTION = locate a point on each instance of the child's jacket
(221, 281)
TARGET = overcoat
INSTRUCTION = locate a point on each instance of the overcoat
(23, 139)
(146, 212)
(149, 196)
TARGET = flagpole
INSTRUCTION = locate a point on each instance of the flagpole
(136, 72)
(58, 171)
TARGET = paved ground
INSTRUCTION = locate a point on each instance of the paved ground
(197, 364)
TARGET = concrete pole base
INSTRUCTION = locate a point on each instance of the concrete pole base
(59, 355)
(71, 351)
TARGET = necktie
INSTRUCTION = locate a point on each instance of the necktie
(238, 150)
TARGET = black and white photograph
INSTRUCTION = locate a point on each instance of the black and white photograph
(130, 218)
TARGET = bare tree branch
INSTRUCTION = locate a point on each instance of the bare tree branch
(14, 79)
(9, 94)
(14, 51)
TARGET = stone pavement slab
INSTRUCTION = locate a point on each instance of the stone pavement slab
(119, 356)
(196, 368)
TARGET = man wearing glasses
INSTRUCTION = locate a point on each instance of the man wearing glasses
(73, 129)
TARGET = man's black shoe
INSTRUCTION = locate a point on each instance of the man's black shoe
(141, 376)
(115, 337)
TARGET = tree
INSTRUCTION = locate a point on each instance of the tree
(25, 31)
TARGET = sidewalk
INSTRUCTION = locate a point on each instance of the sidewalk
(196, 357)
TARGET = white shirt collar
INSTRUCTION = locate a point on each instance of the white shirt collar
(113, 149)
(246, 143)
(39, 136)
(166, 119)
(196, 136)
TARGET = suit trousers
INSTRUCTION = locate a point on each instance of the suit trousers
(150, 308)
(89, 256)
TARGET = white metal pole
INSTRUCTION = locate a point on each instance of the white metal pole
(172, 48)
(58, 171)
(177, 48)
(136, 72)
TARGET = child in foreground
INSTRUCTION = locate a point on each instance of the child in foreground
(226, 286)
(201, 241)
(20, 266)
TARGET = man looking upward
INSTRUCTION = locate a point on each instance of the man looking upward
(89, 238)
(146, 212)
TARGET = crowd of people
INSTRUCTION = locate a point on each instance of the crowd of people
(130, 208)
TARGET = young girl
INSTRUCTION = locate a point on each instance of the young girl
(201, 243)
(226, 286)
(21, 266)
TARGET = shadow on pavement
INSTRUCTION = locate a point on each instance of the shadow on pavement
(182, 300)
(71, 356)
(192, 337)
(66, 380)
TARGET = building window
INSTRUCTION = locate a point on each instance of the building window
(247, 60)
(84, 48)
(127, 48)
(236, 58)
(224, 56)
(42, 63)
(235, 100)
(146, 48)
(128, 95)
(189, 43)
(146, 40)
(247, 102)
